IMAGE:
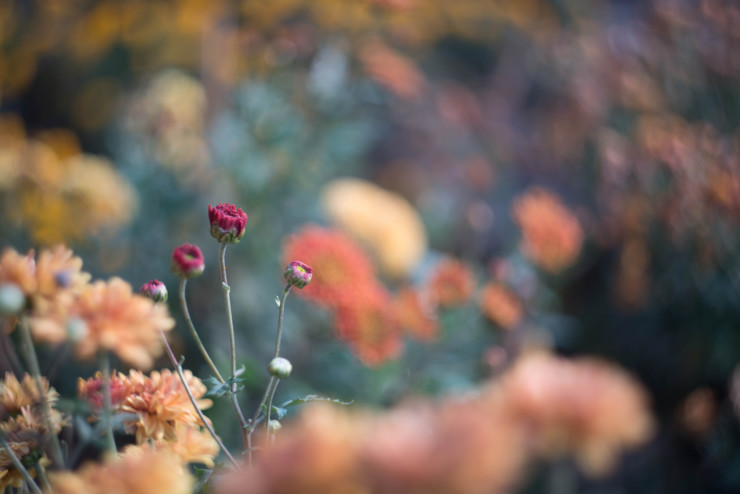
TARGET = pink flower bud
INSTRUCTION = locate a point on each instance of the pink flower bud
(155, 290)
(298, 274)
(228, 223)
(187, 261)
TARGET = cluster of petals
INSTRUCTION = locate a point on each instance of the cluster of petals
(451, 283)
(159, 401)
(228, 223)
(500, 305)
(551, 234)
(22, 423)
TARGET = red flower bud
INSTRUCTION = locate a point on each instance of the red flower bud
(228, 223)
(298, 274)
(155, 290)
(187, 261)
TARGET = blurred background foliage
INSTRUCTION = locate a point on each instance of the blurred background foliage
(611, 127)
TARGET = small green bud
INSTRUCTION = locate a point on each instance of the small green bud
(274, 426)
(280, 367)
(12, 299)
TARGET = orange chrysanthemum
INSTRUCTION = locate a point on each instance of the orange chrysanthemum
(552, 235)
(369, 327)
(414, 316)
(139, 472)
(500, 305)
(92, 389)
(585, 407)
(452, 283)
(191, 445)
(340, 266)
(161, 402)
(118, 320)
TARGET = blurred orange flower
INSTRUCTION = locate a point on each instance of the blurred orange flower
(394, 71)
(109, 316)
(369, 326)
(142, 471)
(340, 267)
(585, 407)
(500, 305)
(415, 314)
(451, 283)
(552, 235)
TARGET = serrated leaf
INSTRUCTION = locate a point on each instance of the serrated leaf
(218, 389)
(310, 398)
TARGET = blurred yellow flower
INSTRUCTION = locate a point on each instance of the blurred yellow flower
(382, 220)
(62, 194)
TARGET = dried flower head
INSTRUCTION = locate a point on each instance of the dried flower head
(500, 305)
(341, 266)
(228, 223)
(451, 284)
(187, 261)
(142, 471)
(298, 274)
(585, 407)
(154, 290)
(552, 235)
(383, 221)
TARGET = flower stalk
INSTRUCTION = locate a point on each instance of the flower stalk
(33, 363)
(110, 441)
(19, 466)
(206, 423)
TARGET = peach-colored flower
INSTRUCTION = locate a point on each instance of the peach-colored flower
(584, 407)
(500, 305)
(552, 235)
(452, 283)
(18, 269)
(92, 389)
(415, 315)
(160, 401)
(340, 266)
(143, 471)
(118, 320)
(25, 434)
(369, 327)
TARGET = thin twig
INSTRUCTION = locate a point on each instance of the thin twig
(203, 418)
(269, 407)
(232, 345)
(280, 320)
(19, 466)
(194, 333)
(33, 363)
(253, 422)
(110, 441)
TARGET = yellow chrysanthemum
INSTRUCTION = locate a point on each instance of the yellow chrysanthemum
(382, 220)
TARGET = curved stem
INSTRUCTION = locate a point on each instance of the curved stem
(202, 417)
(229, 317)
(280, 320)
(33, 363)
(253, 422)
(194, 333)
(107, 404)
(232, 345)
(19, 466)
(269, 407)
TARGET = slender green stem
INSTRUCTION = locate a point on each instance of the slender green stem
(255, 417)
(229, 317)
(203, 418)
(33, 363)
(194, 333)
(110, 442)
(19, 466)
(269, 407)
(232, 345)
(42, 476)
(280, 320)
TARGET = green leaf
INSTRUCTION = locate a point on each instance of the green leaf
(277, 301)
(218, 389)
(310, 398)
